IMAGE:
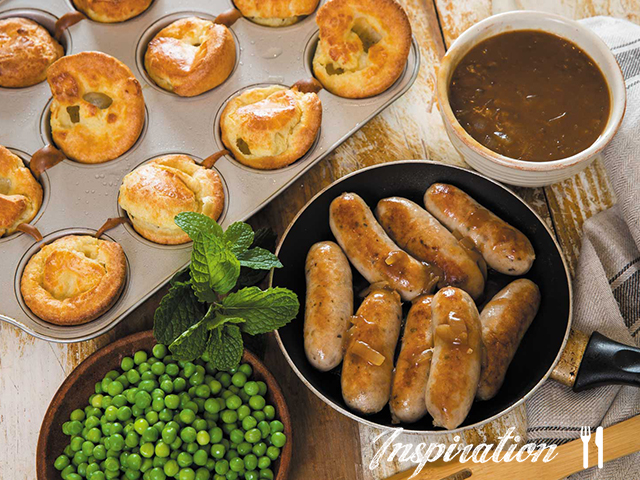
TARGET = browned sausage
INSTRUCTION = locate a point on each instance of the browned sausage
(504, 248)
(368, 360)
(505, 320)
(372, 252)
(424, 237)
(328, 306)
(457, 356)
(413, 365)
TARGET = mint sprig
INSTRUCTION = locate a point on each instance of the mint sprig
(222, 262)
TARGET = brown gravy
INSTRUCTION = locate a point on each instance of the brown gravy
(530, 95)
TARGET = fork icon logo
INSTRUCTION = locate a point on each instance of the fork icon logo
(585, 435)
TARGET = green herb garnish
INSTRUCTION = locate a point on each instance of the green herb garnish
(210, 303)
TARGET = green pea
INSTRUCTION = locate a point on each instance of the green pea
(162, 450)
(100, 452)
(202, 474)
(61, 462)
(142, 399)
(172, 370)
(251, 388)
(218, 450)
(269, 412)
(187, 416)
(147, 450)
(134, 461)
(203, 437)
(239, 379)
(140, 357)
(112, 464)
(259, 415)
(215, 435)
(185, 459)
(253, 435)
(259, 449)
(200, 457)
(236, 464)
(249, 422)
(273, 453)
(266, 474)
(264, 462)
(171, 468)
(222, 467)
(278, 439)
(229, 416)
(186, 474)
(188, 434)
(251, 462)
(133, 376)
(159, 351)
(87, 448)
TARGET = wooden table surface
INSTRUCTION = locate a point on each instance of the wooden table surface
(327, 446)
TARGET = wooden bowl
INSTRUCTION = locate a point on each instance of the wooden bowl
(79, 386)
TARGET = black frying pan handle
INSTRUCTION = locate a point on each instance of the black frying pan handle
(606, 362)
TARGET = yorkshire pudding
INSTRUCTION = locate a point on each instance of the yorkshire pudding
(276, 13)
(97, 112)
(74, 279)
(154, 193)
(26, 51)
(111, 11)
(272, 127)
(191, 56)
(20, 193)
(363, 46)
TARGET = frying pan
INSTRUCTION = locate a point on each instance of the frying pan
(542, 348)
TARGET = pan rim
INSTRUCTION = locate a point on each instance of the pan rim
(441, 432)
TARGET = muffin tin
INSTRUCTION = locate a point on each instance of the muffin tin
(78, 198)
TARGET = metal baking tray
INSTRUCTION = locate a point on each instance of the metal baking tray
(78, 198)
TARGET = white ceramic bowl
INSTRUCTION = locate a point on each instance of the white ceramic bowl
(518, 172)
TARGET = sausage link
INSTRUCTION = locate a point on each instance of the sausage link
(366, 386)
(328, 306)
(505, 320)
(413, 365)
(421, 235)
(457, 356)
(505, 248)
(372, 252)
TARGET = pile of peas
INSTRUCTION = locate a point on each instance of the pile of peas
(160, 418)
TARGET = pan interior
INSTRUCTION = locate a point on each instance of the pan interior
(544, 338)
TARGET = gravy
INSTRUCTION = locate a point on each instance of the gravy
(530, 95)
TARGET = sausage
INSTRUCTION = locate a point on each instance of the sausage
(413, 365)
(457, 357)
(371, 343)
(422, 236)
(505, 319)
(372, 252)
(328, 305)
(505, 248)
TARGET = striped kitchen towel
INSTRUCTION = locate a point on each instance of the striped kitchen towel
(607, 282)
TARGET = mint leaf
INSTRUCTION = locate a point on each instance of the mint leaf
(264, 238)
(225, 347)
(213, 267)
(239, 237)
(263, 311)
(193, 223)
(191, 343)
(259, 259)
(213, 318)
(178, 310)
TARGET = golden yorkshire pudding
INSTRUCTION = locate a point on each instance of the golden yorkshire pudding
(363, 47)
(272, 127)
(26, 51)
(74, 279)
(111, 11)
(154, 193)
(20, 193)
(276, 13)
(97, 112)
(191, 56)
